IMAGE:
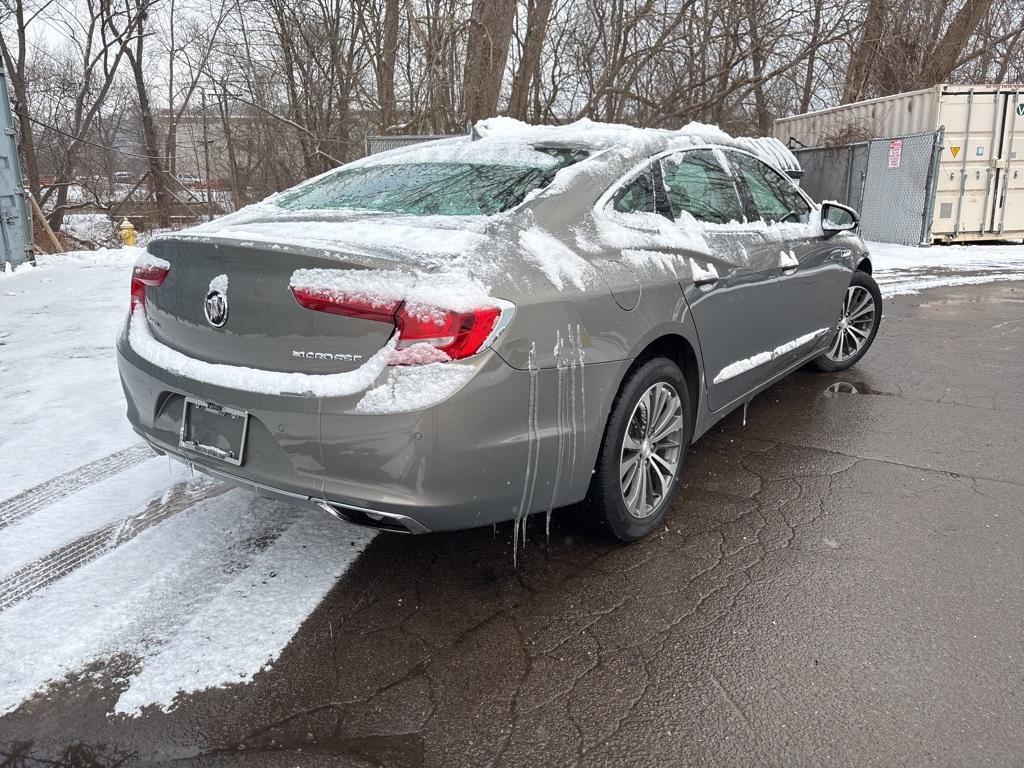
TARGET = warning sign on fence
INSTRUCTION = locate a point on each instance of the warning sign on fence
(895, 153)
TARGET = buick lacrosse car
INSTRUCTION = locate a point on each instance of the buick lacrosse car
(477, 329)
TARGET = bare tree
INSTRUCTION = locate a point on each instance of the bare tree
(293, 88)
(528, 70)
(490, 31)
(16, 61)
(100, 38)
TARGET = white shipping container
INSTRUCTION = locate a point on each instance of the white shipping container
(979, 192)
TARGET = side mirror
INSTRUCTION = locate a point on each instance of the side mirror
(838, 218)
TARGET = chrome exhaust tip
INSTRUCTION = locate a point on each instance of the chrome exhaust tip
(370, 518)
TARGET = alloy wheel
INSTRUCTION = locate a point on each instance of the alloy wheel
(855, 324)
(651, 449)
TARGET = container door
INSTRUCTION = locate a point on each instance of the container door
(1007, 213)
(967, 176)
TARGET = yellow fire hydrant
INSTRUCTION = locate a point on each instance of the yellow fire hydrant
(127, 232)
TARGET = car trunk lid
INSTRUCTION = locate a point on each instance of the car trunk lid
(229, 302)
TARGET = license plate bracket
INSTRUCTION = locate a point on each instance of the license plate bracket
(214, 430)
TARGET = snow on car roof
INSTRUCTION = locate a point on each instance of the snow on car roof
(773, 152)
(588, 134)
(511, 141)
(494, 136)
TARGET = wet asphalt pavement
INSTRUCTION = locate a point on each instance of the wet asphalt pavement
(841, 581)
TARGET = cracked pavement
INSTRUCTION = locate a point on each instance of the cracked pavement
(839, 582)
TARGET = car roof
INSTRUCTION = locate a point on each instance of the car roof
(502, 138)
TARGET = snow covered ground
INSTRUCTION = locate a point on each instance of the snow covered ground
(111, 549)
(108, 552)
(93, 228)
(902, 270)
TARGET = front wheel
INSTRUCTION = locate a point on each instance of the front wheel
(643, 450)
(858, 324)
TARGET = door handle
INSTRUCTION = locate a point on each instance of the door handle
(700, 282)
(788, 270)
(788, 262)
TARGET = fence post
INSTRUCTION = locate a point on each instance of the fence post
(849, 174)
(864, 180)
(932, 186)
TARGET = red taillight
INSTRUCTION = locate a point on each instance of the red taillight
(350, 306)
(143, 275)
(457, 334)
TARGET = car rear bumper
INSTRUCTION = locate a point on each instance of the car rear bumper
(460, 463)
(369, 518)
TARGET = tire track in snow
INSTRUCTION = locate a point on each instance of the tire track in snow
(26, 581)
(279, 587)
(204, 599)
(33, 499)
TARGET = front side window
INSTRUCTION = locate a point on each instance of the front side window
(697, 184)
(774, 196)
(428, 187)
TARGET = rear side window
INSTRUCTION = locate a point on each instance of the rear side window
(774, 196)
(696, 182)
(637, 196)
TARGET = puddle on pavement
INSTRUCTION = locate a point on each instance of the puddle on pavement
(837, 388)
(1006, 296)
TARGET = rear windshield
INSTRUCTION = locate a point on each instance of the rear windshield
(429, 188)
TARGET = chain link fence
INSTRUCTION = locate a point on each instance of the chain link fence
(890, 182)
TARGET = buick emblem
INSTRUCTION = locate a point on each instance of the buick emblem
(216, 308)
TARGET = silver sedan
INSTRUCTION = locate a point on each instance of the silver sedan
(477, 329)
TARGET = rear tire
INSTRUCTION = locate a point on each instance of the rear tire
(643, 451)
(859, 318)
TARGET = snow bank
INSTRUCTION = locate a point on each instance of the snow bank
(10, 269)
(125, 256)
(902, 270)
(91, 227)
